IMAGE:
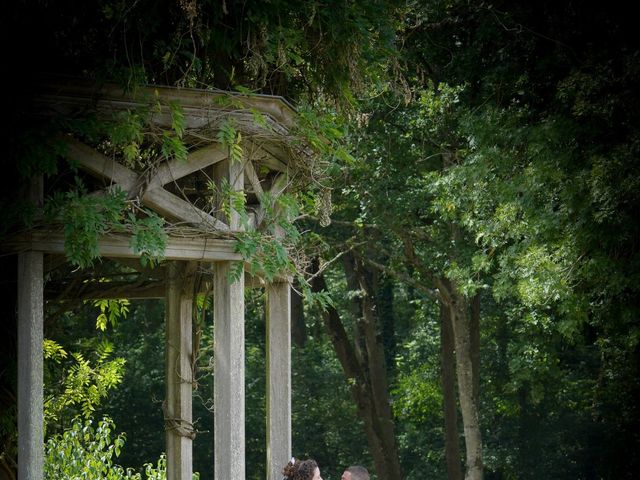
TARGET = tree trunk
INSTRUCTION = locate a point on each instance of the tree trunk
(384, 300)
(363, 364)
(466, 334)
(475, 346)
(451, 443)
(378, 379)
(466, 370)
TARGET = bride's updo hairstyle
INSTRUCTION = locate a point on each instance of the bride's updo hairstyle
(299, 469)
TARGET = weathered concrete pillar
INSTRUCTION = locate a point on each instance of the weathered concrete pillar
(228, 337)
(30, 360)
(228, 390)
(178, 372)
(278, 378)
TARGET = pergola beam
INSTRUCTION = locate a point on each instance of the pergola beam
(100, 165)
(111, 291)
(197, 160)
(170, 205)
(199, 105)
(119, 246)
(145, 290)
(279, 185)
(252, 176)
(155, 197)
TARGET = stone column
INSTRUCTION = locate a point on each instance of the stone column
(228, 389)
(30, 360)
(278, 378)
(179, 371)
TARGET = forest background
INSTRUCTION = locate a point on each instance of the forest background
(481, 262)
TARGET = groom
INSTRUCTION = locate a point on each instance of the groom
(355, 472)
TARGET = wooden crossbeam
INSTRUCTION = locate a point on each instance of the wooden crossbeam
(260, 152)
(157, 198)
(279, 185)
(277, 188)
(170, 205)
(198, 104)
(100, 165)
(252, 176)
(109, 290)
(132, 290)
(196, 160)
(118, 246)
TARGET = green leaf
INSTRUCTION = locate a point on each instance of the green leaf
(178, 123)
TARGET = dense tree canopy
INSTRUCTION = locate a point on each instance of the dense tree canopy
(280, 47)
(514, 170)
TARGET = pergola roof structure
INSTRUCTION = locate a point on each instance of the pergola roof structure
(200, 234)
(266, 165)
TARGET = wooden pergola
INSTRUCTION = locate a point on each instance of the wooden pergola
(169, 191)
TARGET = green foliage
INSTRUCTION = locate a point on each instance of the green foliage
(84, 383)
(417, 395)
(39, 150)
(125, 131)
(85, 218)
(148, 237)
(110, 312)
(231, 138)
(271, 249)
(130, 134)
(178, 123)
(232, 202)
(135, 405)
(326, 133)
(267, 257)
(324, 421)
(272, 252)
(88, 452)
(296, 48)
(513, 176)
(173, 147)
(53, 351)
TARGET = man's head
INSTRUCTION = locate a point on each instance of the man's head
(355, 472)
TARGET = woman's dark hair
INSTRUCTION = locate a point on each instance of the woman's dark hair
(299, 469)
